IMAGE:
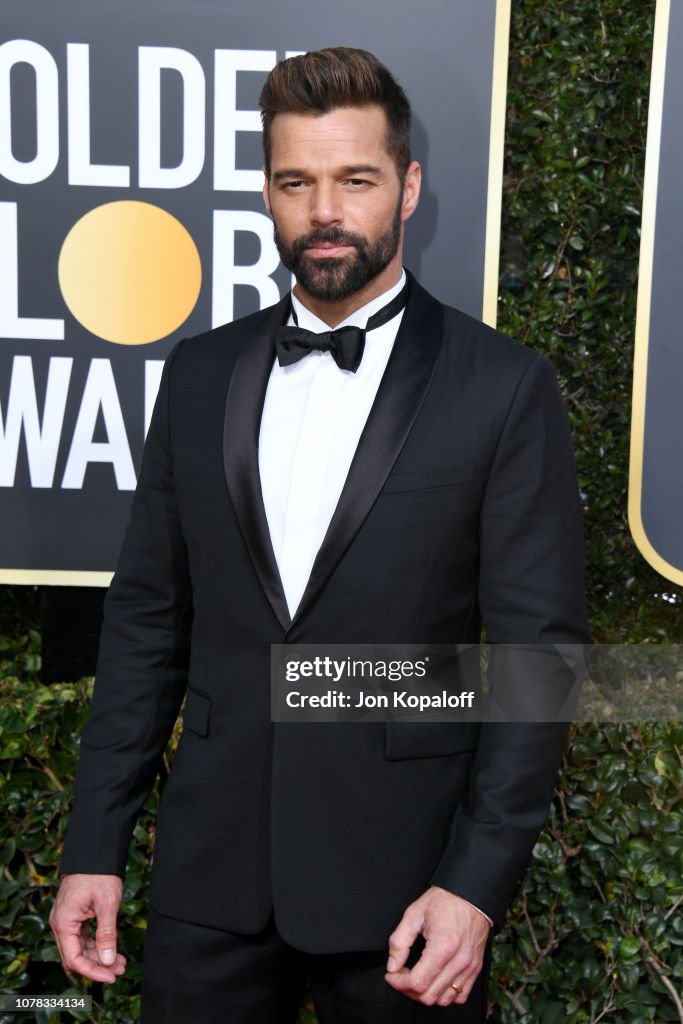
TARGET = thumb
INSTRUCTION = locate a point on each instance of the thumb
(402, 938)
(105, 936)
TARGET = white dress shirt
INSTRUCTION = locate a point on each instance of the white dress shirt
(312, 419)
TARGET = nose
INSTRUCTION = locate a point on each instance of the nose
(325, 208)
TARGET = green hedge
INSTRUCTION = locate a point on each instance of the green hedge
(597, 933)
(575, 147)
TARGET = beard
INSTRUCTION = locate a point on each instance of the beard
(329, 280)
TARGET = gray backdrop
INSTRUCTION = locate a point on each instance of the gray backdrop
(442, 52)
(662, 484)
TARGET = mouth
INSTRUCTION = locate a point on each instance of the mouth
(328, 250)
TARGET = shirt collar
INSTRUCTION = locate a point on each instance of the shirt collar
(358, 318)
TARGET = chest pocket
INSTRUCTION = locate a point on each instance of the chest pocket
(425, 478)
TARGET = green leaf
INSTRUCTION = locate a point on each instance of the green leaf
(601, 833)
(629, 947)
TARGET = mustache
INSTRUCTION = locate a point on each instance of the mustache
(332, 236)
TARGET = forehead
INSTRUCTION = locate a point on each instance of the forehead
(344, 136)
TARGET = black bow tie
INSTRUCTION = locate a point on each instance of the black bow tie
(345, 344)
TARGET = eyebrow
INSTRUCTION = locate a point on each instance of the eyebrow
(348, 172)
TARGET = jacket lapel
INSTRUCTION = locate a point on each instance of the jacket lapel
(400, 395)
(243, 407)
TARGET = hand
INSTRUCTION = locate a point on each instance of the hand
(80, 898)
(455, 938)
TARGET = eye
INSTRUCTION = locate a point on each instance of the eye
(357, 182)
(293, 186)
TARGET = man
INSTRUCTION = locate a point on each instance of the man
(394, 493)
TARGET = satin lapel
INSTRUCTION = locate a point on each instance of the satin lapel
(401, 392)
(243, 408)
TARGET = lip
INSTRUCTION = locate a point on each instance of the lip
(328, 251)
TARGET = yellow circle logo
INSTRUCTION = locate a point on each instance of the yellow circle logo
(130, 272)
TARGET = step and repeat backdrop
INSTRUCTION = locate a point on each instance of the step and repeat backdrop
(656, 474)
(131, 216)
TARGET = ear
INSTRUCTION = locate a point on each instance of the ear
(266, 193)
(411, 190)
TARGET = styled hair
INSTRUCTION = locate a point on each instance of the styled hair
(323, 80)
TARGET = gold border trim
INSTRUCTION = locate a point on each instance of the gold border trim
(56, 577)
(501, 46)
(644, 302)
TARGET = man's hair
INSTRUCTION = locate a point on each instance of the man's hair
(323, 80)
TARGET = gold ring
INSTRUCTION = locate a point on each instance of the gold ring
(456, 988)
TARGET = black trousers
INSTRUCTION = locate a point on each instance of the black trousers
(198, 975)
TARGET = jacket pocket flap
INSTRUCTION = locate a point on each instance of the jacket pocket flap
(429, 739)
(422, 479)
(197, 712)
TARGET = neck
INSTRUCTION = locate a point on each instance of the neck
(333, 313)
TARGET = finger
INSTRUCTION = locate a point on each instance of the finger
(68, 933)
(397, 979)
(106, 907)
(55, 931)
(438, 956)
(432, 976)
(442, 992)
(402, 938)
(406, 981)
(465, 980)
(119, 965)
(403, 982)
(74, 959)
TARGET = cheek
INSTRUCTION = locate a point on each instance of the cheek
(376, 218)
(360, 222)
(289, 217)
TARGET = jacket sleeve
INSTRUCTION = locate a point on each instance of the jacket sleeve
(530, 593)
(142, 665)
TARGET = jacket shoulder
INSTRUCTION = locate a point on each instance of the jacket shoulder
(468, 341)
(486, 344)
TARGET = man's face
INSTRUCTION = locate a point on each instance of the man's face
(336, 200)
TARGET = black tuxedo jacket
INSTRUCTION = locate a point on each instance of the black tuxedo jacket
(460, 504)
